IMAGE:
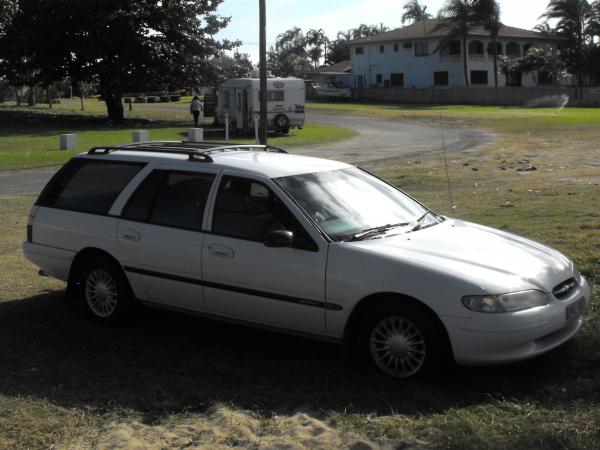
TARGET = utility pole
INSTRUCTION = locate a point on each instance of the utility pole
(262, 132)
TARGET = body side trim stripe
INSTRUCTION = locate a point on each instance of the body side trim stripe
(240, 290)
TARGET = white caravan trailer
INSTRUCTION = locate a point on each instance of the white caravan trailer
(240, 99)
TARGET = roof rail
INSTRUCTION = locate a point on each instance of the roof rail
(197, 151)
(193, 155)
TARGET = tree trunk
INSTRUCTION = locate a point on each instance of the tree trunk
(495, 43)
(465, 56)
(114, 106)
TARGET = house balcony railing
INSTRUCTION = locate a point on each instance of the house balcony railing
(481, 58)
(450, 59)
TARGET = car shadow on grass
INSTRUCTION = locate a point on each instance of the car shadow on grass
(162, 363)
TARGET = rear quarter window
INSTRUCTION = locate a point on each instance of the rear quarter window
(88, 185)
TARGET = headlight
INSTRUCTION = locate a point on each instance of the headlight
(515, 301)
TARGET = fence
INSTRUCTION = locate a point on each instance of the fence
(501, 96)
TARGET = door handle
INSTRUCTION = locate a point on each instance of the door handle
(129, 234)
(221, 251)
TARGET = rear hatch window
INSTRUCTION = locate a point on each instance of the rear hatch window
(88, 185)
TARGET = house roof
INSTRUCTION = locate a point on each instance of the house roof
(338, 68)
(424, 29)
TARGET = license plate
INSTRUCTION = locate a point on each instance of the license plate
(576, 309)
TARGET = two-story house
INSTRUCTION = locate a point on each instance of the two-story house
(409, 57)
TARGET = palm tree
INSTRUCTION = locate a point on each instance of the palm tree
(456, 18)
(487, 12)
(573, 21)
(317, 39)
(415, 12)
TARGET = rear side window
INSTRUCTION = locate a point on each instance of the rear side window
(175, 199)
(89, 186)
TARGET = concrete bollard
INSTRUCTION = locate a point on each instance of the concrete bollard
(196, 135)
(140, 136)
(68, 141)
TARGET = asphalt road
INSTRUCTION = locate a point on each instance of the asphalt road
(378, 141)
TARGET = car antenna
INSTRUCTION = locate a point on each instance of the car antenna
(450, 200)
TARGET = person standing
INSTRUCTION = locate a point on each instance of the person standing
(196, 109)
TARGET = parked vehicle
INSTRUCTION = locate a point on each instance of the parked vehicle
(302, 245)
(239, 99)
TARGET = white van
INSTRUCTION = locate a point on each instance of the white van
(240, 99)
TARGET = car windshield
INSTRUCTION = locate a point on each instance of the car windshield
(350, 204)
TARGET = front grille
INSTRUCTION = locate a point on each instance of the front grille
(564, 289)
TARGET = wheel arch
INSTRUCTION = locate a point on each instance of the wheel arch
(351, 329)
(79, 260)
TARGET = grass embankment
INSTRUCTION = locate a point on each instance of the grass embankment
(172, 381)
(29, 136)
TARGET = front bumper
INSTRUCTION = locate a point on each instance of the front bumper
(505, 338)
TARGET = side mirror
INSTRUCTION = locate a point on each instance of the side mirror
(279, 238)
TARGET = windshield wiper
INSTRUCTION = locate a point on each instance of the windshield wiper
(419, 224)
(377, 230)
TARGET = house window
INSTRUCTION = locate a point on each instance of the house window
(490, 48)
(381, 48)
(479, 77)
(397, 80)
(407, 45)
(513, 49)
(440, 78)
(379, 79)
(359, 50)
(396, 46)
(421, 48)
(360, 81)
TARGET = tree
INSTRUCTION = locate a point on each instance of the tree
(289, 57)
(573, 20)
(319, 42)
(364, 30)
(414, 12)
(337, 51)
(119, 45)
(456, 18)
(8, 9)
(487, 12)
(539, 62)
(224, 67)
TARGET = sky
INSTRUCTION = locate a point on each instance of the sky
(334, 16)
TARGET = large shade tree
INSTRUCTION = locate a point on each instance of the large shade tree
(120, 45)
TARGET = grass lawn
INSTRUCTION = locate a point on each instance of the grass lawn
(29, 136)
(167, 380)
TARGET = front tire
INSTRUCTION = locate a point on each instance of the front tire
(402, 341)
(104, 290)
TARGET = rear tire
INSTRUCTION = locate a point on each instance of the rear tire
(402, 341)
(104, 290)
(282, 122)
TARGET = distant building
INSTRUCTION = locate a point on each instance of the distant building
(338, 75)
(407, 57)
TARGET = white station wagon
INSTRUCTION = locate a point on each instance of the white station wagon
(303, 245)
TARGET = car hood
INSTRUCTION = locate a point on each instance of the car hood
(493, 260)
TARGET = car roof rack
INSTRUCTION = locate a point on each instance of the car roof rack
(196, 151)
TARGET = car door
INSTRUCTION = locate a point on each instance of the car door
(161, 232)
(245, 279)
